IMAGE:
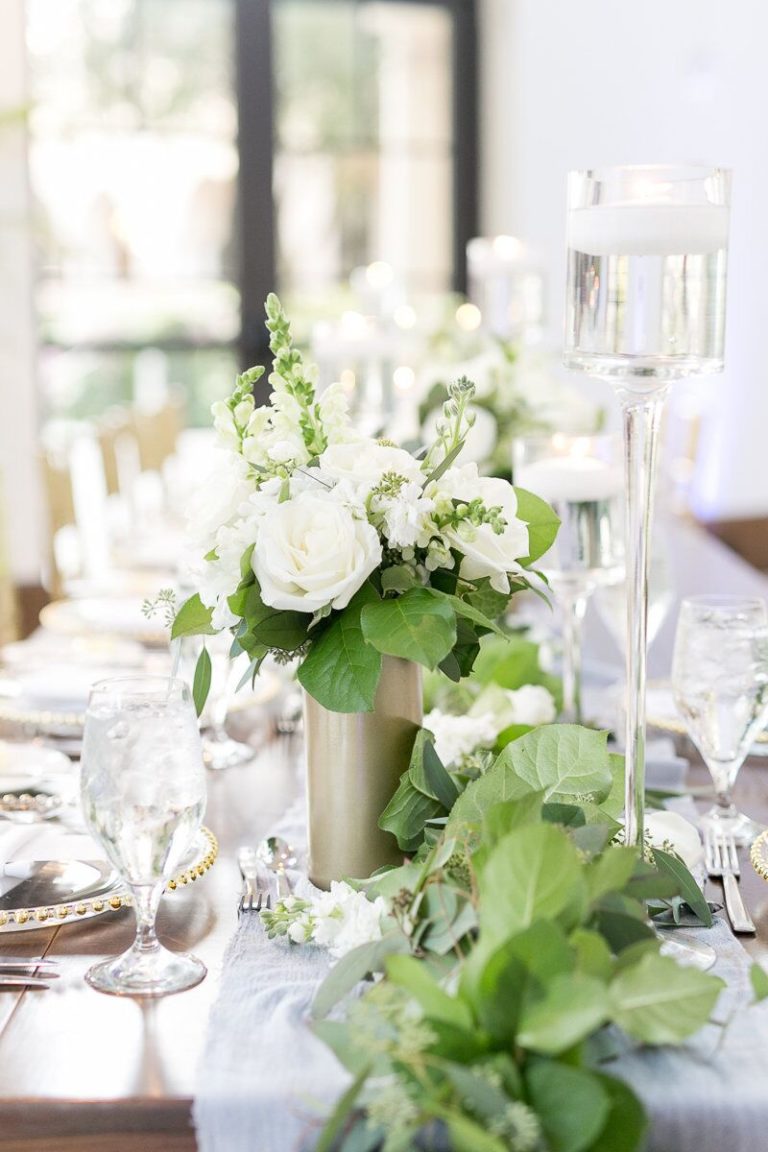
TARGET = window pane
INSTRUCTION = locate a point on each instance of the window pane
(364, 141)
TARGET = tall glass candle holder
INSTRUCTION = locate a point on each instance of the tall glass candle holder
(582, 478)
(645, 301)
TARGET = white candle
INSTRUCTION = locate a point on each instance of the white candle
(573, 478)
(648, 229)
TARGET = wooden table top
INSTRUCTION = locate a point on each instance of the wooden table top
(83, 1071)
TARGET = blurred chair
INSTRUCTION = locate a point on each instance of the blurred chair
(158, 429)
(75, 484)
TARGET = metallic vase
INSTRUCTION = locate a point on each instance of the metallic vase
(354, 764)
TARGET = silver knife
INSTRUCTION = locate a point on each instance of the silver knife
(37, 967)
(22, 981)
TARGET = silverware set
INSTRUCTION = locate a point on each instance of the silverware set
(26, 972)
(722, 862)
(273, 854)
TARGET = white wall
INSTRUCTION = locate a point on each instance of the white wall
(577, 83)
(18, 400)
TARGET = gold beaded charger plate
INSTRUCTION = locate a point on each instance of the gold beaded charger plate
(758, 854)
(47, 893)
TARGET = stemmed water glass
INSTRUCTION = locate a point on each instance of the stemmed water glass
(720, 683)
(581, 477)
(143, 796)
(645, 302)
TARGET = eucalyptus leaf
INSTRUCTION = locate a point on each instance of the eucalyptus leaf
(415, 626)
(626, 1124)
(593, 956)
(201, 683)
(341, 670)
(611, 871)
(414, 977)
(353, 967)
(660, 1002)
(758, 978)
(687, 887)
(335, 1124)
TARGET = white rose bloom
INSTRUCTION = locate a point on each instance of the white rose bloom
(458, 736)
(667, 830)
(364, 462)
(486, 553)
(312, 551)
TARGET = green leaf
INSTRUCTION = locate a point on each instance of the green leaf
(416, 626)
(626, 1123)
(533, 873)
(468, 611)
(271, 627)
(469, 1136)
(487, 599)
(622, 921)
(687, 887)
(413, 975)
(335, 1123)
(201, 683)
(593, 956)
(510, 734)
(572, 1104)
(661, 1002)
(444, 464)
(559, 760)
(399, 578)
(759, 980)
(510, 814)
(193, 619)
(342, 671)
(430, 777)
(353, 967)
(611, 871)
(572, 1007)
(542, 523)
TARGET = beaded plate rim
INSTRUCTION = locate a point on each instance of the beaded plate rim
(71, 912)
(758, 855)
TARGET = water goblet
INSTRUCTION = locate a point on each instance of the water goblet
(720, 684)
(143, 796)
(581, 477)
(645, 306)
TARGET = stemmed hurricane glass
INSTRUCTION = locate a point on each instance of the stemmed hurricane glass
(581, 477)
(143, 796)
(720, 683)
(645, 305)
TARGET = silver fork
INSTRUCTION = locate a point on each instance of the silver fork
(721, 859)
(253, 897)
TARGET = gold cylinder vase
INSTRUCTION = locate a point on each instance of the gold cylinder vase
(354, 764)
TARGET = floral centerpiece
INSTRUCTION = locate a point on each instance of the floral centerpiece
(336, 549)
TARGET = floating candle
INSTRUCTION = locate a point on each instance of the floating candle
(573, 478)
(648, 229)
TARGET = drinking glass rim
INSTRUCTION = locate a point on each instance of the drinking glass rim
(153, 684)
(682, 172)
(724, 600)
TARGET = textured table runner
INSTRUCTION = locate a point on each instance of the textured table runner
(265, 1081)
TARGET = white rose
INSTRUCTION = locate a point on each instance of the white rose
(458, 736)
(485, 552)
(667, 830)
(311, 551)
(532, 704)
(364, 462)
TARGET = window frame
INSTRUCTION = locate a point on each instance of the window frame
(256, 209)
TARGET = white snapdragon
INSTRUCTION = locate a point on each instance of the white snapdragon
(312, 551)
(485, 551)
(334, 413)
(458, 736)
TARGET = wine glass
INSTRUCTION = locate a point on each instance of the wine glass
(220, 750)
(143, 796)
(611, 599)
(720, 683)
(581, 477)
(645, 305)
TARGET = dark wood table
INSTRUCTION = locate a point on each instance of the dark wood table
(83, 1071)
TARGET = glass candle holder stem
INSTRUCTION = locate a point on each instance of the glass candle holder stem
(641, 418)
(573, 599)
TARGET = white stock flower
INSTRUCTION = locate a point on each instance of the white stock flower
(667, 830)
(218, 497)
(364, 462)
(312, 551)
(532, 704)
(458, 736)
(345, 918)
(405, 515)
(485, 552)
